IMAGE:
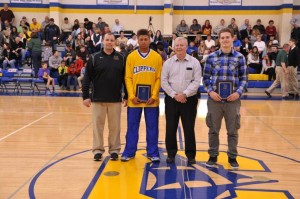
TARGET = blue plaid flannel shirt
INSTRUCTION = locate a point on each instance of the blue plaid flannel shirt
(220, 66)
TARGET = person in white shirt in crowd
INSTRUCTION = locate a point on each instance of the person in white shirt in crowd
(45, 23)
(117, 27)
(219, 27)
(66, 29)
(97, 39)
(133, 41)
(209, 42)
(261, 45)
(81, 28)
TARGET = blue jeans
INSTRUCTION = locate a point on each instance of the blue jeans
(10, 62)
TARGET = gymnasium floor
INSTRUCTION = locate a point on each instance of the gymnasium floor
(45, 152)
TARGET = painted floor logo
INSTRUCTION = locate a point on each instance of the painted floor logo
(139, 178)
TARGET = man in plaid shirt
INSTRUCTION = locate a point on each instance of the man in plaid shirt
(230, 66)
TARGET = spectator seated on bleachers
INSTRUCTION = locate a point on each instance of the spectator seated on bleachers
(162, 52)
(202, 47)
(236, 43)
(246, 47)
(253, 61)
(69, 55)
(195, 28)
(207, 28)
(261, 45)
(122, 39)
(1, 55)
(261, 28)
(47, 52)
(9, 57)
(19, 47)
(79, 41)
(133, 41)
(44, 73)
(96, 39)
(271, 30)
(268, 67)
(54, 63)
(6, 37)
(191, 48)
(62, 75)
(79, 64)
(209, 42)
(72, 77)
(82, 53)
(182, 28)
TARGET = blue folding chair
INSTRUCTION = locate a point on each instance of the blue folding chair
(9, 80)
(38, 86)
(25, 81)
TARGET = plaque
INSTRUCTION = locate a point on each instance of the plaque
(224, 88)
(143, 92)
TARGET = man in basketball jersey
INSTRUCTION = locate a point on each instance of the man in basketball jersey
(142, 79)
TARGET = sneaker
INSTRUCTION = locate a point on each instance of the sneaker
(233, 163)
(170, 160)
(268, 94)
(212, 162)
(126, 158)
(98, 157)
(154, 159)
(114, 156)
(191, 161)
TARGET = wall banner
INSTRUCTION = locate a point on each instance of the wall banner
(225, 2)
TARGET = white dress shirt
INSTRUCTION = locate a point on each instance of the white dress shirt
(181, 76)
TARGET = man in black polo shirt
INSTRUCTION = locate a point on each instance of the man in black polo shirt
(105, 70)
(293, 62)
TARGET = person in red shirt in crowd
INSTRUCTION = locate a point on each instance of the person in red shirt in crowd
(79, 63)
(271, 30)
(72, 76)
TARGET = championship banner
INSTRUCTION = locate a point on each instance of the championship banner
(26, 1)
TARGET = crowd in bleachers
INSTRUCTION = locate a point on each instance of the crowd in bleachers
(39, 40)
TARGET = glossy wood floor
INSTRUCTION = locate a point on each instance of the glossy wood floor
(45, 152)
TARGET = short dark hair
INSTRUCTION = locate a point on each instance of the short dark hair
(34, 35)
(142, 32)
(226, 30)
(293, 40)
(160, 47)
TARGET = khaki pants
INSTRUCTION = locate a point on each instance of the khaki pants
(113, 112)
(280, 79)
(292, 81)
